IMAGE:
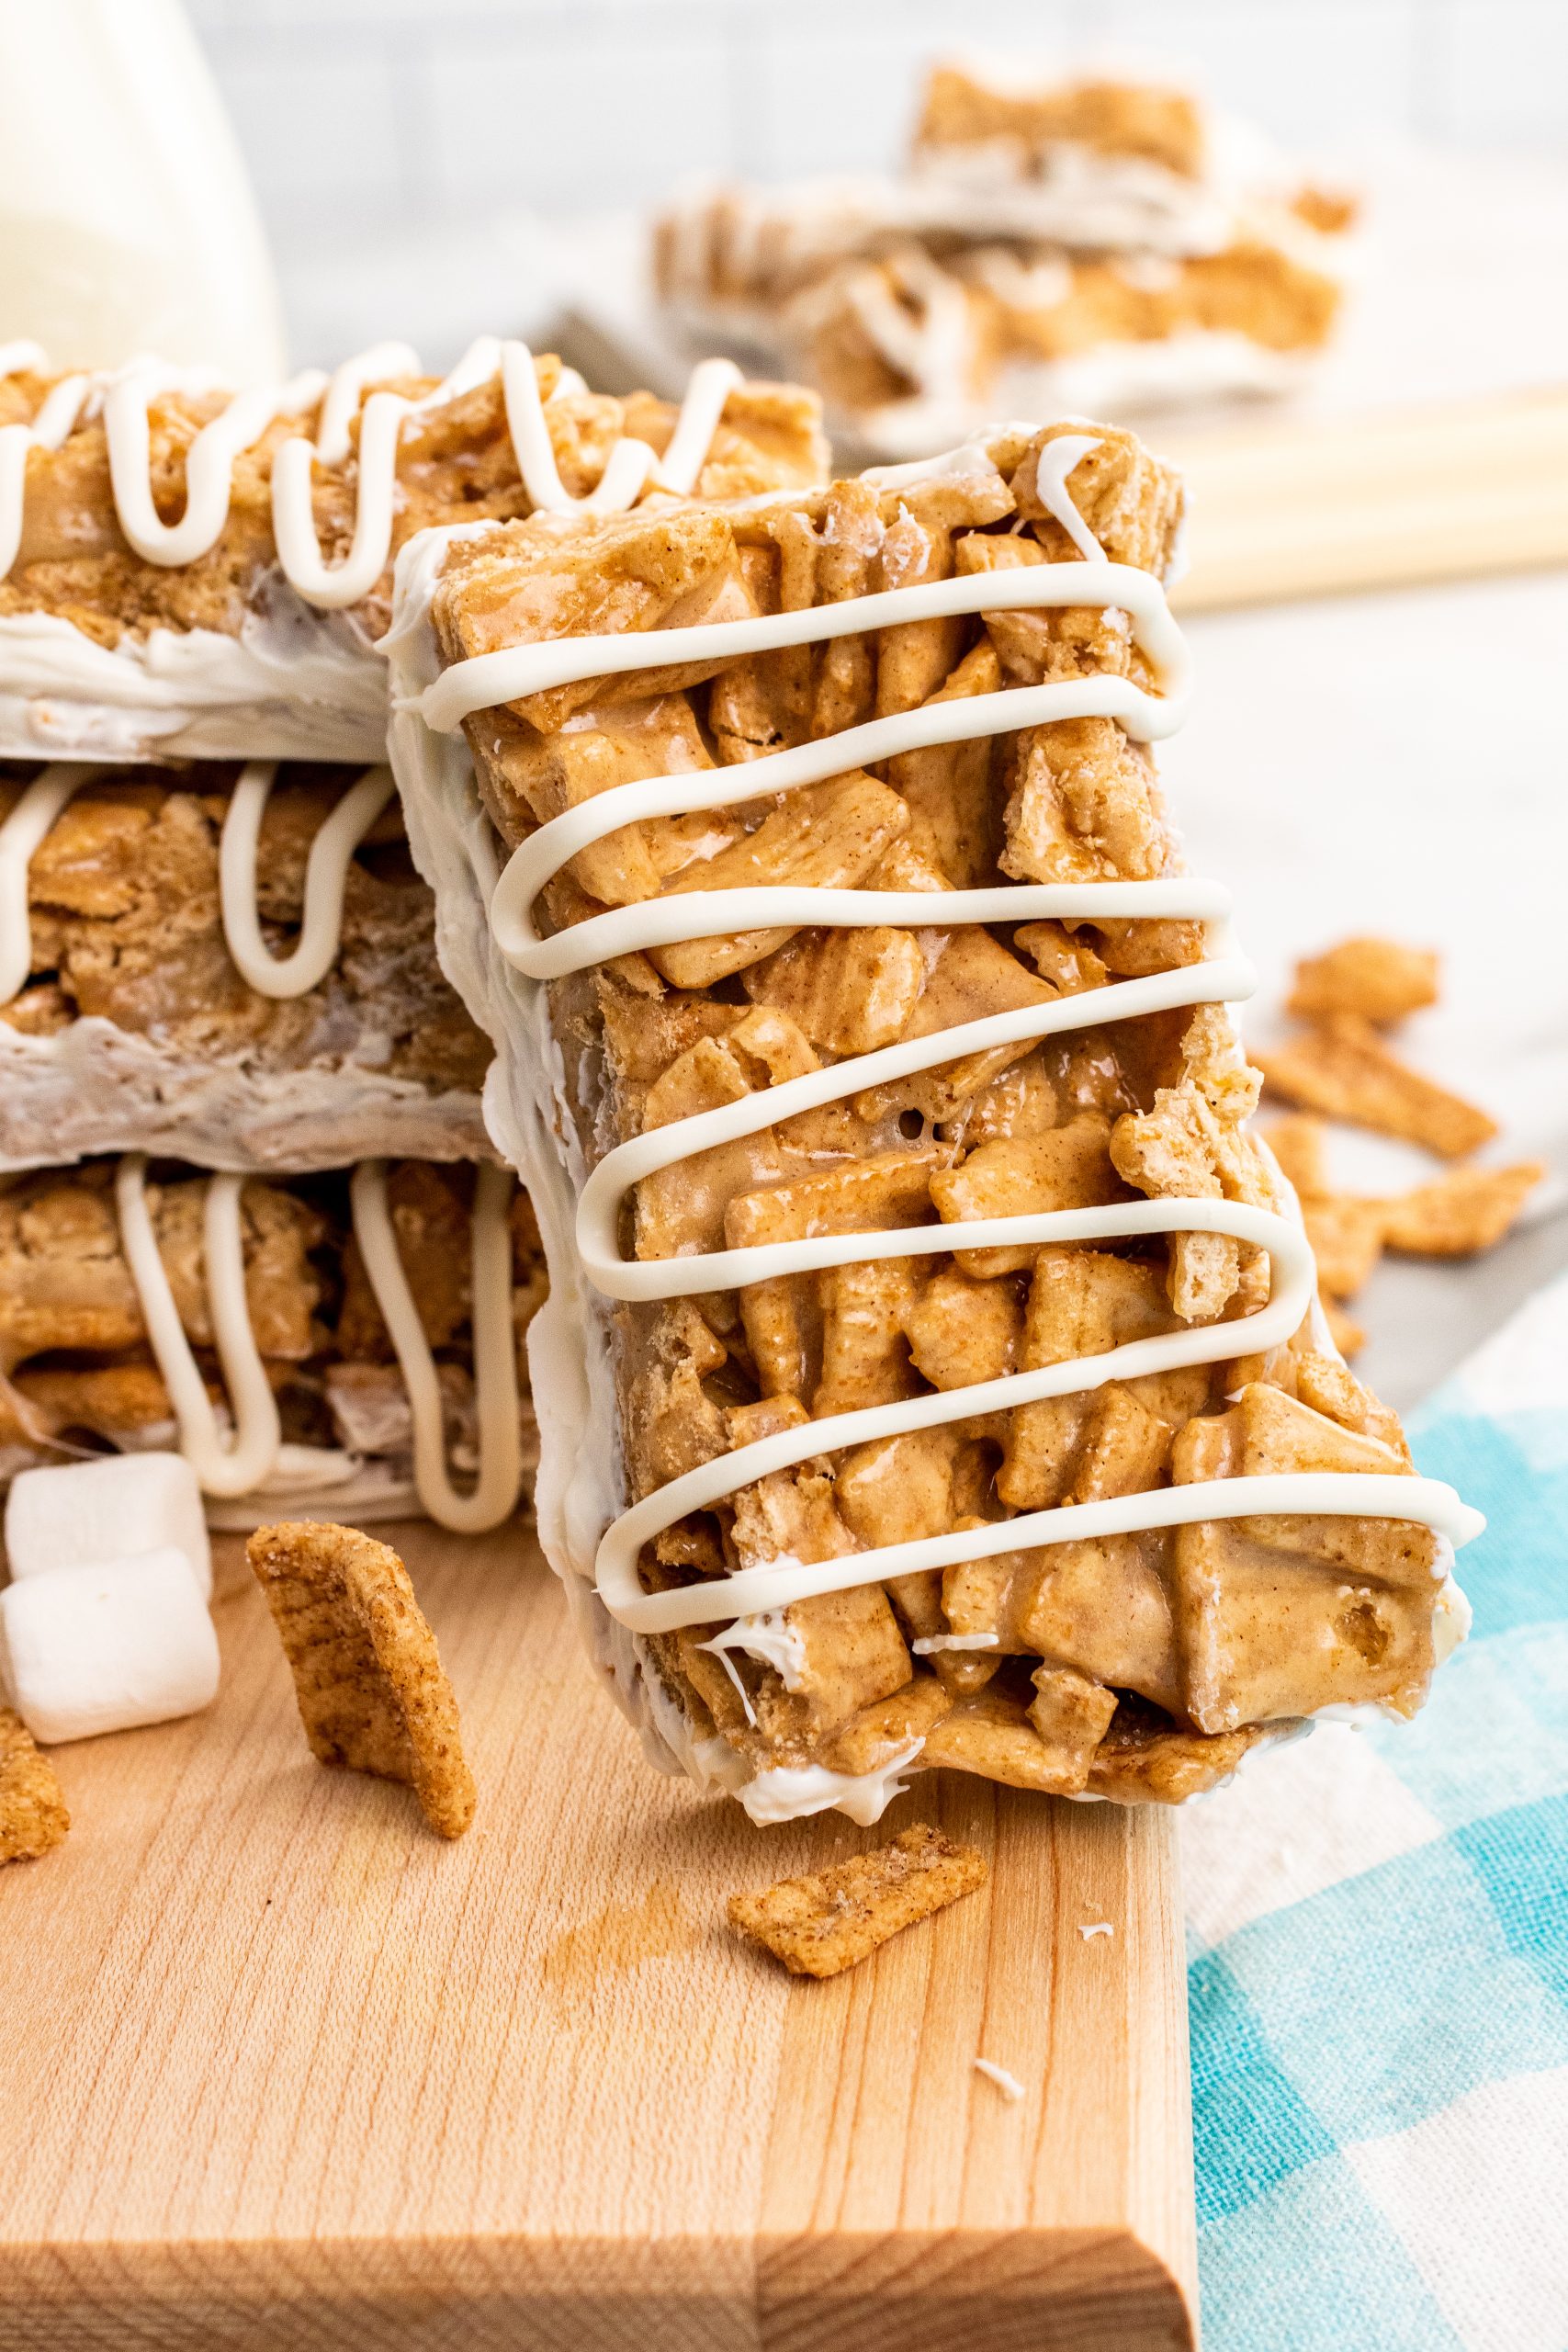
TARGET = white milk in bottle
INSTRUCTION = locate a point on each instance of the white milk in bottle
(127, 222)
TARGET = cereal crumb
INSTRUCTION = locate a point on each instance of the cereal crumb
(1377, 979)
(1340, 1065)
(1469, 1209)
(822, 1923)
(33, 1817)
(367, 1675)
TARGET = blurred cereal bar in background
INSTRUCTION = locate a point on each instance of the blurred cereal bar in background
(1083, 244)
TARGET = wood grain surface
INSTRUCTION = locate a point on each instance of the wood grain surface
(283, 2070)
(1391, 499)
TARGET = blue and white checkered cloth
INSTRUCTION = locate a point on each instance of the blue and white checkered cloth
(1378, 1925)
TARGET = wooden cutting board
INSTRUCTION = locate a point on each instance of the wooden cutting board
(1392, 499)
(1284, 504)
(283, 2070)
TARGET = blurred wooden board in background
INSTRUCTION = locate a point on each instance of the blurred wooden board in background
(1391, 499)
(1283, 502)
(283, 2070)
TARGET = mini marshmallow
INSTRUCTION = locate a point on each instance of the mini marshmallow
(88, 1650)
(80, 1513)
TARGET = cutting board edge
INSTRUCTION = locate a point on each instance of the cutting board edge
(895, 2290)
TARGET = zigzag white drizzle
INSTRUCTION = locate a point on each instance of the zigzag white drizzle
(237, 1465)
(1221, 976)
(326, 874)
(123, 396)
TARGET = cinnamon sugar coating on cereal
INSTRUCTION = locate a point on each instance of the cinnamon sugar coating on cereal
(1379, 979)
(1134, 1666)
(456, 464)
(821, 1925)
(33, 1818)
(372, 1693)
(1340, 1065)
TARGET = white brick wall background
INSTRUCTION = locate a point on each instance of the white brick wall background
(389, 134)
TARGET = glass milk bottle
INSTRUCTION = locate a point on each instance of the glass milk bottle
(127, 222)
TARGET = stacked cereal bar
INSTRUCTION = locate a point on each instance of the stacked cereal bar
(1092, 243)
(937, 1375)
(187, 570)
(288, 1248)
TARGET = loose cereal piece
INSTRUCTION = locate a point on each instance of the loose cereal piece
(1466, 1211)
(821, 1925)
(367, 1672)
(1347, 1237)
(1300, 1143)
(32, 1811)
(1340, 1065)
(1377, 978)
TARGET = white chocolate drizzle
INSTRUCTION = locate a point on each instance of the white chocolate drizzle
(326, 874)
(49, 428)
(224, 1468)
(210, 461)
(123, 396)
(24, 828)
(1222, 975)
(228, 1466)
(789, 1792)
(493, 1495)
(1054, 464)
